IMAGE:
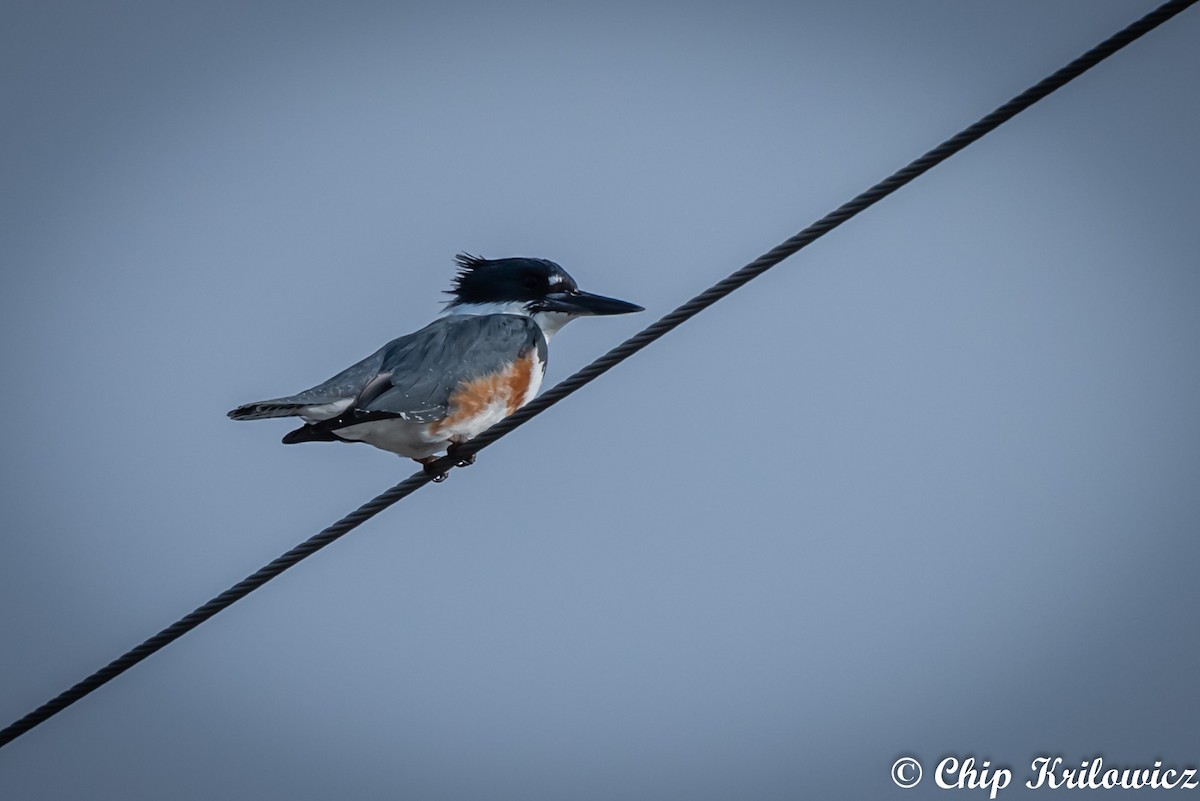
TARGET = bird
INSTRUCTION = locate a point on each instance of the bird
(433, 390)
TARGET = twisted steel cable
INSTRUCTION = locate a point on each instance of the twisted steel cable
(601, 365)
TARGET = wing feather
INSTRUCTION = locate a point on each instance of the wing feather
(339, 391)
(428, 366)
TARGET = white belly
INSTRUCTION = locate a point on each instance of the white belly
(398, 436)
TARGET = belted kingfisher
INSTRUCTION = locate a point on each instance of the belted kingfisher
(438, 387)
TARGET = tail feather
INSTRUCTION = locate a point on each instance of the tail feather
(261, 410)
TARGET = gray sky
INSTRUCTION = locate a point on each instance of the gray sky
(928, 488)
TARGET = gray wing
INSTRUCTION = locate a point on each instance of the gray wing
(412, 377)
(419, 372)
(341, 390)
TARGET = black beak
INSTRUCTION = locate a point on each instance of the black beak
(577, 302)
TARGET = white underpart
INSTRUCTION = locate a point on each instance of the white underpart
(407, 439)
(549, 322)
(324, 411)
(535, 378)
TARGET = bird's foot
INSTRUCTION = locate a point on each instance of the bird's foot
(429, 463)
(465, 461)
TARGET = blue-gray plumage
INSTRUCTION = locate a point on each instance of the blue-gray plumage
(457, 376)
(414, 376)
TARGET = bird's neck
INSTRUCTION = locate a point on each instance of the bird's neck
(549, 322)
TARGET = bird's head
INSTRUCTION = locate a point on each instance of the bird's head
(535, 287)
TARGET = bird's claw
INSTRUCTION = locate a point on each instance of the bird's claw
(429, 465)
(436, 473)
(465, 461)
